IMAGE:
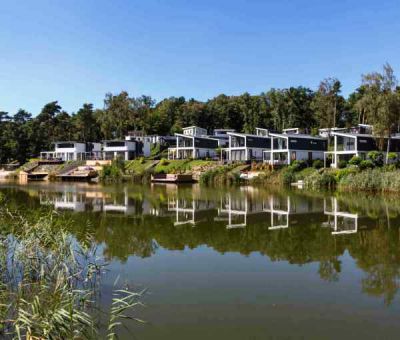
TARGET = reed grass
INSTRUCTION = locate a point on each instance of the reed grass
(49, 282)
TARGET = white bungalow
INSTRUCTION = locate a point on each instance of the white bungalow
(72, 151)
(126, 149)
(286, 148)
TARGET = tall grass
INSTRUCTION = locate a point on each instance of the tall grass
(49, 282)
(373, 180)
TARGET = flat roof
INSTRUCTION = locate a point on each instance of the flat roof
(297, 135)
(193, 126)
(349, 134)
(246, 135)
(192, 136)
(119, 140)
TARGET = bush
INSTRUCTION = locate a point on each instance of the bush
(376, 157)
(318, 164)
(288, 176)
(342, 164)
(367, 164)
(298, 165)
(320, 180)
(392, 156)
(355, 160)
(164, 162)
(341, 173)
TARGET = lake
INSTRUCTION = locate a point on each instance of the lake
(239, 263)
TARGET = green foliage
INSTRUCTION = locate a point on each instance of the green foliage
(355, 160)
(320, 180)
(374, 180)
(392, 156)
(376, 157)
(342, 164)
(318, 164)
(341, 173)
(50, 281)
(220, 175)
(288, 176)
(113, 172)
(298, 165)
(366, 164)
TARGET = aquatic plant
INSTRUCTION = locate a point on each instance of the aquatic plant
(49, 281)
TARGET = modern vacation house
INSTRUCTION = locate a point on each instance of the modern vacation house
(348, 144)
(194, 143)
(244, 147)
(72, 151)
(286, 148)
(126, 149)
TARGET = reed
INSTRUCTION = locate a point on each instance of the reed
(49, 282)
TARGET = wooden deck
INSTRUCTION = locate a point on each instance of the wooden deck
(172, 178)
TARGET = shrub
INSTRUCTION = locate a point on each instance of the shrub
(376, 157)
(341, 173)
(392, 156)
(298, 165)
(318, 164)
(288, 176)
(342, 164)
(320, 180)
(355, 160)
(367, 164)
(164, 161)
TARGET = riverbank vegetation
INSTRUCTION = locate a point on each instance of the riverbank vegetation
(370, 175)
(24, 135)
(49, 282)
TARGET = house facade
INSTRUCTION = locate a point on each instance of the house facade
(346, 145)
(126, 149)
(247, 147)
(72, 151)
(191, 146)
(286, 148)
(194, 131)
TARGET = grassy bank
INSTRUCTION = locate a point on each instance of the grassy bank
(140, 170)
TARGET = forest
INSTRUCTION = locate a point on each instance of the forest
(376, 101)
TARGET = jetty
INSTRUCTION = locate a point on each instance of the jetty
(80, 173)
(172, 178)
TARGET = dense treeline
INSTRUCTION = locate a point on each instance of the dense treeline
(377, 101)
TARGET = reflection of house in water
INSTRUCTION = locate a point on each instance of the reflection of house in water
(286, 210)
(66, 201)
(96, 201)
(342, 222)
(279, 208)
(236, 209)
(189, 211)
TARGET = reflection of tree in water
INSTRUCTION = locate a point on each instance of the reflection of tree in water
(375, 247)
(377, 253)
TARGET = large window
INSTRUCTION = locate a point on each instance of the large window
(65, 145)
(115, 144)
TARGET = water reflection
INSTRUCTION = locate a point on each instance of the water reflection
(294, 227)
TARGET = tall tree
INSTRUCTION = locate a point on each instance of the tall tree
(381, 102)
(85, 124)
(328, 103)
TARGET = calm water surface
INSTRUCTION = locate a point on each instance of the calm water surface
(242, 263)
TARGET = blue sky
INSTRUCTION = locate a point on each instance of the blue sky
(75, 51)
